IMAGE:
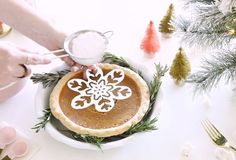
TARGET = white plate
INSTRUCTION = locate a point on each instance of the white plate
(42, 102)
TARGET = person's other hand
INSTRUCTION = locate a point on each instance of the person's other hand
(14, 61)
(72, 64)
(74, 67)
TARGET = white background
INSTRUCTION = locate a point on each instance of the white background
(181, 113)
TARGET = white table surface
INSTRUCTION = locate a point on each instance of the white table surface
(179, 122)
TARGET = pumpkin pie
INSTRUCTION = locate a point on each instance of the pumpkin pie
(108, 103)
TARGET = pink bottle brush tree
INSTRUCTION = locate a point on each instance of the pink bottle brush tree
(150, 43)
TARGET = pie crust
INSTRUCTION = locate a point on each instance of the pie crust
(88, 121)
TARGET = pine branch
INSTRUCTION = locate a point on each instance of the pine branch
(44, 120)
(187, 2)
(48, 79)
(222, 66)
(210, 17)
(208, 27)
(202, 38)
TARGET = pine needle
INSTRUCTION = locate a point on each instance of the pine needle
(221, 66)
(208, 27)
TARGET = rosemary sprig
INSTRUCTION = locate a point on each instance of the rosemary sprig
(155, 85)
(111, 58)
(142, 126)
(48, 79)
(97, 141)
(44, 120)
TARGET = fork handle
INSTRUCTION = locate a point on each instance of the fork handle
(231, 147)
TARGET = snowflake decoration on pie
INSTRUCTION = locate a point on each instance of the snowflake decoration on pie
(99, 90)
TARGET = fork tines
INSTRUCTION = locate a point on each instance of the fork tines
(211, 129)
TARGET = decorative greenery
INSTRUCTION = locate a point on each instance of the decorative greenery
(221, 66)
(143, 126)
(213, 25)
(202, 1)
(111, 58)
(165, 25)
(48, 79)
(44, 120)
(97, 141)
(208, 26)
(155, 85)
(180, 67)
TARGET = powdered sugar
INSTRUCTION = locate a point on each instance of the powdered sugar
(88, 45)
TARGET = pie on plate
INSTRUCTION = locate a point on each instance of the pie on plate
(108, 103)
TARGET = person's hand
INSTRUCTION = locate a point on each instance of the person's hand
(76, 67)
(14, 61)
(72, 64)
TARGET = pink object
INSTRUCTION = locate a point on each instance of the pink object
(18, 149)
(7, 136)
(150, 43)
(11, 89)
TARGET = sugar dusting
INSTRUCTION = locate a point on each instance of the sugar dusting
(88, 45)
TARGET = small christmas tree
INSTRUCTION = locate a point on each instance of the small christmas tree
(150, 43)
(165, 25)
(180, 67)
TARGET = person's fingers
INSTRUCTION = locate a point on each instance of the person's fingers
(32, 59)
(24, 49)
(26, 56)
(76, 67)
(20, 71)
(68, 61)
(85, 68)
(93, 68)
(84, 73)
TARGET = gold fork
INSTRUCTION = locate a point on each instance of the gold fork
(215, 135)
